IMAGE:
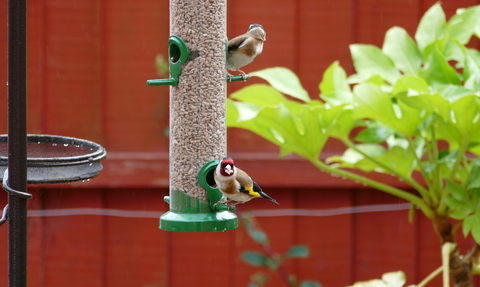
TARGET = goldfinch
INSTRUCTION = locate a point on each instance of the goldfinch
(236, 185)
(242, 50)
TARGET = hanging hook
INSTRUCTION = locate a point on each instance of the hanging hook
(11, 191)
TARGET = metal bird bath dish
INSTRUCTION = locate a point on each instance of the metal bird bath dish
(56, 159)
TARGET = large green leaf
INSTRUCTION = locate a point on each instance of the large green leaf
(471, 67)
(434, 103)
(401, 48)
(437, 70)
(285, 81)
(466, 115)
(370, 61)
(334, 88)
(396, 158)
(375, 133)
(408, 84)
(259, 95)
(284, 128)
(400, 160)
(336, 122)
(462, 25)
(371, 102)
(431, 27)
(240, 112)
(452, 92)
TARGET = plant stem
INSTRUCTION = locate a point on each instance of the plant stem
(460, 155)
(428, 196)
(430, 277)
(437, 178)
(442, 207)
(377, 185)
(413, 183)
(281, 270)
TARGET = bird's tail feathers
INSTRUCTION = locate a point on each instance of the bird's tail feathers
(264, 195)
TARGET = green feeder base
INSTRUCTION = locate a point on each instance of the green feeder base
(198, 222)
(190, 214)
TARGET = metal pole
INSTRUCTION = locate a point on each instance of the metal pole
(17, 143)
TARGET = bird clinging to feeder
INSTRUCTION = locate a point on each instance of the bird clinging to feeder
(243, 49)
(236, 185)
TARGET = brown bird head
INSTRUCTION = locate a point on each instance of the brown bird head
(257, 32)
(227, 167)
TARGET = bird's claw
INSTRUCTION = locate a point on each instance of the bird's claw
(244, 76)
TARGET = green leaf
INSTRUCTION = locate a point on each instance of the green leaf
(239, 112)
(258, 236)
(472, 58)
(280, 125)
(400, 160)
(298, 251)
(336, 122)
(352, 158)
(307, 283)
(466, 114)
(401, 48)
(462, 25)
(260, 95)
(371, 102)
(370, 61)
(457, 191)
(375, 133)
(254, 258)
(285, 81)
(437, 70)
(457, 201)
(473, 81)
(472, 224)
(431, 26)
(334, 87)
(410, 84)
(452, 92)
(473, 180)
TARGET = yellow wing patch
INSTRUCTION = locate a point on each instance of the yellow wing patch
(252, 193)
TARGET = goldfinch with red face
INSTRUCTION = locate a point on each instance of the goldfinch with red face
(236, 185)
(242, 50)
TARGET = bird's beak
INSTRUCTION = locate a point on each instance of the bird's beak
(228, 169)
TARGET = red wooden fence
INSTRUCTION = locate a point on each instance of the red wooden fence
(87, 66)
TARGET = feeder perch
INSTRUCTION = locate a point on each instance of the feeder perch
(178, 54)
(190, 214)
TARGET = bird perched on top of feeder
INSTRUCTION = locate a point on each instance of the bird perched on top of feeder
(236, 185)
(242, 50)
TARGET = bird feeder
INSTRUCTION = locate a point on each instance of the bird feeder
(197, 116)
